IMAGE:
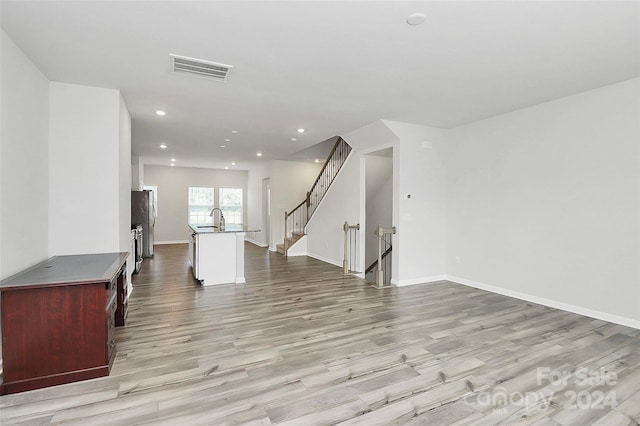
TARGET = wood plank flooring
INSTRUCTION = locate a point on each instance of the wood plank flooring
(301, 344)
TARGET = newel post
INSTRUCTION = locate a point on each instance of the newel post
(285, 233)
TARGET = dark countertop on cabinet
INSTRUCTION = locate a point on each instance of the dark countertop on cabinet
(65, 270)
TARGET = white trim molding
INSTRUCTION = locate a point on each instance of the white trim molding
(422, 280)
(257, 243)
(297, 254)
(616, 319)
(325, 259)
(159, 243)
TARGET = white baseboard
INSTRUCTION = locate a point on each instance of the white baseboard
(422, 280)
(325, 259)
(297, 254)
(616, 319)
(257, 243)
(159, 243)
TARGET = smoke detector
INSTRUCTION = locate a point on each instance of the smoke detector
(199, 67)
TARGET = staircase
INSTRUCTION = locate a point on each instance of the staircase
(381, 268)
(295, 236)
(296, 220)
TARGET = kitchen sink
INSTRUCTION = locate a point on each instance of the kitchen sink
(207, 226)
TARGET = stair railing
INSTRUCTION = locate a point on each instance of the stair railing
(329, 171)
(350, 247)
(296, 220)
(382, 265)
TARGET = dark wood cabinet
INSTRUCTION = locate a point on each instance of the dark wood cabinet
(121, 300)
(59, 319)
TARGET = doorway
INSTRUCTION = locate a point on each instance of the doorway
(378, 201)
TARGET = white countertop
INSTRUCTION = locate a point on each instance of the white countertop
(207, 228)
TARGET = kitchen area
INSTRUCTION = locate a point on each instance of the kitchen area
(216, 252)
(186, 197)
(143, 218)
(216, 247)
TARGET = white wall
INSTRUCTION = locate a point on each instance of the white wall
(290, 181)
(137, 175)
(173, 195)
(255, 176)
(419, 169)
(124, 188)
(325, 235)
(544, 203)
(124, 175)
(24, 170)
(84, 167)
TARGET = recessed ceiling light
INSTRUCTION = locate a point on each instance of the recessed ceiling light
(234, 131)
(259, 154)
(301, 130)
(294, 139)
(223, 146)
(173, 159)
(316, 161)
(163, 146)
(227, 140)
(416, 19)
(226, 167)
(172, 165)
(160, 112)
(233, 163)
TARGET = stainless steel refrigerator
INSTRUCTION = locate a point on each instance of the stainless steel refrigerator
(143, 212)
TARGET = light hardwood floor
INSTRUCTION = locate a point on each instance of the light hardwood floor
(302, 344)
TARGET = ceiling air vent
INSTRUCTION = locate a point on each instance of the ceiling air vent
(208, 69)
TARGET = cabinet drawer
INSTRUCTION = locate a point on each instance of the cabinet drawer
(111, 329)
(111, 352)
(112, 305)
(121, 311)
(111, 288)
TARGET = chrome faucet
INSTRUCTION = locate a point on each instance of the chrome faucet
(221, 217)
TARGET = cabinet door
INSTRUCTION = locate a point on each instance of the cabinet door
(46, 334)
(121, 298)
(191, 236)
(196, 256)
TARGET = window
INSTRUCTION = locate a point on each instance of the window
(200, 204)
(231, 204)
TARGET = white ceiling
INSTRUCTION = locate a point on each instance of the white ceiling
(329, 67)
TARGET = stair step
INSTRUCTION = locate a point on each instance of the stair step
(290, 241)
(294, 238)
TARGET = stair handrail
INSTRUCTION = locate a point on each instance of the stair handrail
(328, 172)
(303, 217)
(371, 267)
(343, 149)
(326, 163)
(382, 233)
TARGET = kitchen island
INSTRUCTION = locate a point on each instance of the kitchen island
(217, 255)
